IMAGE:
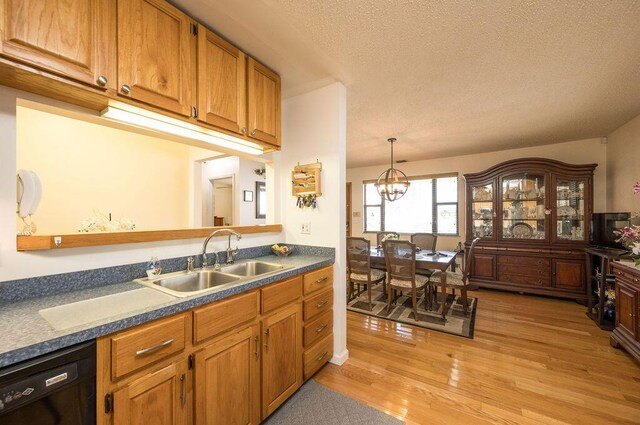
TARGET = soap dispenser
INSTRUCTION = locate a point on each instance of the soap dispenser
(153, 268)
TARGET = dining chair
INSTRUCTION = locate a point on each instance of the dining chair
(380, 235)
(359, 269)
(455, 279)
(400, 258)
(425, 241)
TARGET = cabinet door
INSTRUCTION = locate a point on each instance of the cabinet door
(481, 211)
(568, 274)
(570, 208)
(282, 357)
(157, 398)
(264, 103)
(222, 99)
(227, 375)
(522, 208)
(483, 266)
(72, 38)
(155, 54)
(626, 309)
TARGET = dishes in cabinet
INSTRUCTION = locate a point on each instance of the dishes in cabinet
(522, 231)
(482, 195)
(567, 211)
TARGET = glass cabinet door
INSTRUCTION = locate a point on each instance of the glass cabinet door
(523, 207)
(570, 210)
(482, 211)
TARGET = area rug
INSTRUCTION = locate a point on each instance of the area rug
(402, 311)
(314, 404)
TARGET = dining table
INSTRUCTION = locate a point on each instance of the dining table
(433, 260)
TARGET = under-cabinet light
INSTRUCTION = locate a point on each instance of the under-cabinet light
(153, 121)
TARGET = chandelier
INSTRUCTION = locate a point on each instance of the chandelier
(393, 183)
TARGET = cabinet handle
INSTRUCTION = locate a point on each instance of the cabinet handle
(183, 393)
(253, 133)
(321, 328)
(125, 89)
(321, 356)
(243, 130)
(257, 352)
(322, 279)
(102, 81)
(266, 341)
(322, 304)
(149, 350)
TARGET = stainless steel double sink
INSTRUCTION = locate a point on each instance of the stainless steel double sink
(187, 283)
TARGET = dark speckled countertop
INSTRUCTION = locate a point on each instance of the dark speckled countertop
(25, 334)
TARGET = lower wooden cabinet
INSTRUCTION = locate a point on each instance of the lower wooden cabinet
(227, 375)
(281, 361)
(159, 397)
(234, 361)
(627, 331)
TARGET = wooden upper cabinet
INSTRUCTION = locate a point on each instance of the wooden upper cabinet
(222, 95)
(71, 38)
(263, 87)
(155, 54)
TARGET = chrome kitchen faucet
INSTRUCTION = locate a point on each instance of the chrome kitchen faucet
(230, 252)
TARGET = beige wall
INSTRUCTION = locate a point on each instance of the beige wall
(576, 152)
(86, 168)
(623, 167)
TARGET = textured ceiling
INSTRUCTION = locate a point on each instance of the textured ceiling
(449, 77)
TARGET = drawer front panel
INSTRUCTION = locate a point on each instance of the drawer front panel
(523, 270)
(318, 328)
(146, 344)
(626, 276)
(225, 315)
(524, 261)
(318, 280)
(281, 294)
(316, 356)
(318, 304)
(520, 279)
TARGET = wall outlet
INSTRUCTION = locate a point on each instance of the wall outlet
(305, 228)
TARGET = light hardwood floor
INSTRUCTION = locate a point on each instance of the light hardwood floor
(533, 360)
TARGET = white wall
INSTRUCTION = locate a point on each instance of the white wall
(247, 179)
(314, 128)
(577, 152)
(16, 265)
(623, 168)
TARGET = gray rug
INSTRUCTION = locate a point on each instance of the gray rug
(314, 404)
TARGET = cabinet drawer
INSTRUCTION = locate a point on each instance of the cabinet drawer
(317, 304)
(626, 276)
(524, 261)
(224, 315)
(512, 269)
(141, 346)
(519, 279)
(316, 356)
(318, 328)
(318, 280)
(281, 294)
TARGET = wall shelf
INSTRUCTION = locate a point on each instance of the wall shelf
(79, 240)
(305, 179)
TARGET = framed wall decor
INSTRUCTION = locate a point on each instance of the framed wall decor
(247, 195)
(261, 200)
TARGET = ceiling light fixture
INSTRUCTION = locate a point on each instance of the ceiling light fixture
(393, 183)
(152, 121)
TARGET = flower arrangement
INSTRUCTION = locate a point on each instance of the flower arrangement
(629, 236)
(390, 237)
(101, 223)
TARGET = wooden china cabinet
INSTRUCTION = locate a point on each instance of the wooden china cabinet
(532, 215)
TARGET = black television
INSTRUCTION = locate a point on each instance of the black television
(603, 225)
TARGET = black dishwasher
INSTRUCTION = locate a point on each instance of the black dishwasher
(57, 388)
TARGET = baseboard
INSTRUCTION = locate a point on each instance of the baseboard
(340, 358)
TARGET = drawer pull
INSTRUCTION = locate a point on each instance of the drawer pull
(257, 352)
(321, 328)
(322, 279)
(148, 350)
(322, 304)
(321, 356)
(183, 393)
(266, 340)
